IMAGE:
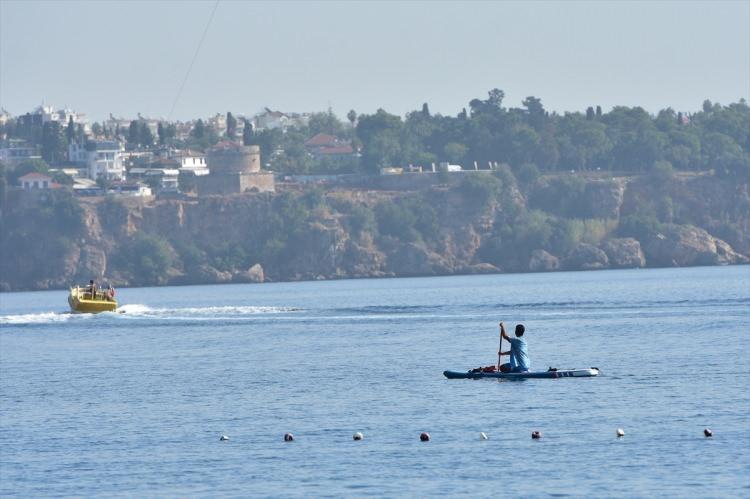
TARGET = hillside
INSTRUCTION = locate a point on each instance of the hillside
(475, 222)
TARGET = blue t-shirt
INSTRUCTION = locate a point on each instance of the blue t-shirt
(519, 357)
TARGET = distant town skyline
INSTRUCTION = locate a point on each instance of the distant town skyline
(127, 58)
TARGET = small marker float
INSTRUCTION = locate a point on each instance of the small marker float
(483, 436)
(288, 437)
(708, 433)
(424, 436)
(620, 432)
(223, 438)
(358, 436)
(536, 435)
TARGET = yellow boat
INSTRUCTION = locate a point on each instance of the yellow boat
(81, 300)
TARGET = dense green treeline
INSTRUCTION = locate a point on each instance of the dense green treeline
(624, 139)
(528, 138)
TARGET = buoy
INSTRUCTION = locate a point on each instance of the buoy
(536, 434)
(424, 436)
(620, 433)
(358, 436)
(482, 435)
(708, 433)
(288, 437)
(223, 438)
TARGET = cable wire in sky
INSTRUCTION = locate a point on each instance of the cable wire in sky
(195, 56)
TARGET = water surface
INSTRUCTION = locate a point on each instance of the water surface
(134, 403)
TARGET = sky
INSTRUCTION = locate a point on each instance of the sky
(129, 57)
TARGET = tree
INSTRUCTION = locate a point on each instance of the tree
(455, 152)
(248, 135)
(352, 117)
(198, 130)
(326, 123)
(160, 132)
(231, 126)
(145, 137)
(380, 136)
(52, 142)
(425, 110)
(492, 105)
(535, 111)
(134, 133)
(70, 131)
(590, 113)
(170, 132)
(598, 111)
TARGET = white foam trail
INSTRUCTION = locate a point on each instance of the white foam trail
(140, 310)
(144, 311)
(135, 309)
(40, 318)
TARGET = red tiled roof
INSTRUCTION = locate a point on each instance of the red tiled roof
(322, 139)
(35, 176)
(343, 149)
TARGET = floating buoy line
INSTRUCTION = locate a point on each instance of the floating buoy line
(425, 437)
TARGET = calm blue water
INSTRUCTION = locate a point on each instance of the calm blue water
(134, 404)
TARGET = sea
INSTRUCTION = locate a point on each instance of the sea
(133, 404)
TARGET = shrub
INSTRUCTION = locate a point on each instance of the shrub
(662, 171)
(147, 258)
(480, 189)
(395, 221)
(528, 173)
(361, 219)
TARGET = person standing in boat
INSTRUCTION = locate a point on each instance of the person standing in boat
(92, 289)
(519, 355)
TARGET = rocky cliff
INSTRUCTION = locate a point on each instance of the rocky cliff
(485, 226)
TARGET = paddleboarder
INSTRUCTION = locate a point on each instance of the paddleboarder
(519, 355)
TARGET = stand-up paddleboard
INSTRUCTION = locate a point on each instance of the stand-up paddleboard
(553, 373)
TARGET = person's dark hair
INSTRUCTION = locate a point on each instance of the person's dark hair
(520, 329)
(91, 281)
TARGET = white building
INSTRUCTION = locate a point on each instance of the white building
(269, 120)
(63, 116)
(130, 189)
(15, 152)
(192, 163)
(35, 180)
(166, 179)
(101, 158)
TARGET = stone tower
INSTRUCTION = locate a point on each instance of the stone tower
(234, 169)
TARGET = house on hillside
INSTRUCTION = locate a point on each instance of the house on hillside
(46, 114)
(101, 158)
(329, 146)
(269, 120)
(162, 174)
(191, 161)
(36, 180)
(14, 151)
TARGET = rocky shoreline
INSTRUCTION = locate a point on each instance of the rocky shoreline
(253, 238)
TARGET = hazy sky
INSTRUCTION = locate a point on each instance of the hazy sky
(130, 57)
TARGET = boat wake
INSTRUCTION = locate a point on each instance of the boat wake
(141, 311)
(40, 318)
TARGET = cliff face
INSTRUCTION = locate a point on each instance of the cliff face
(616, 223)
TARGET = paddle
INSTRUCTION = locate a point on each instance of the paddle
(500, 349)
